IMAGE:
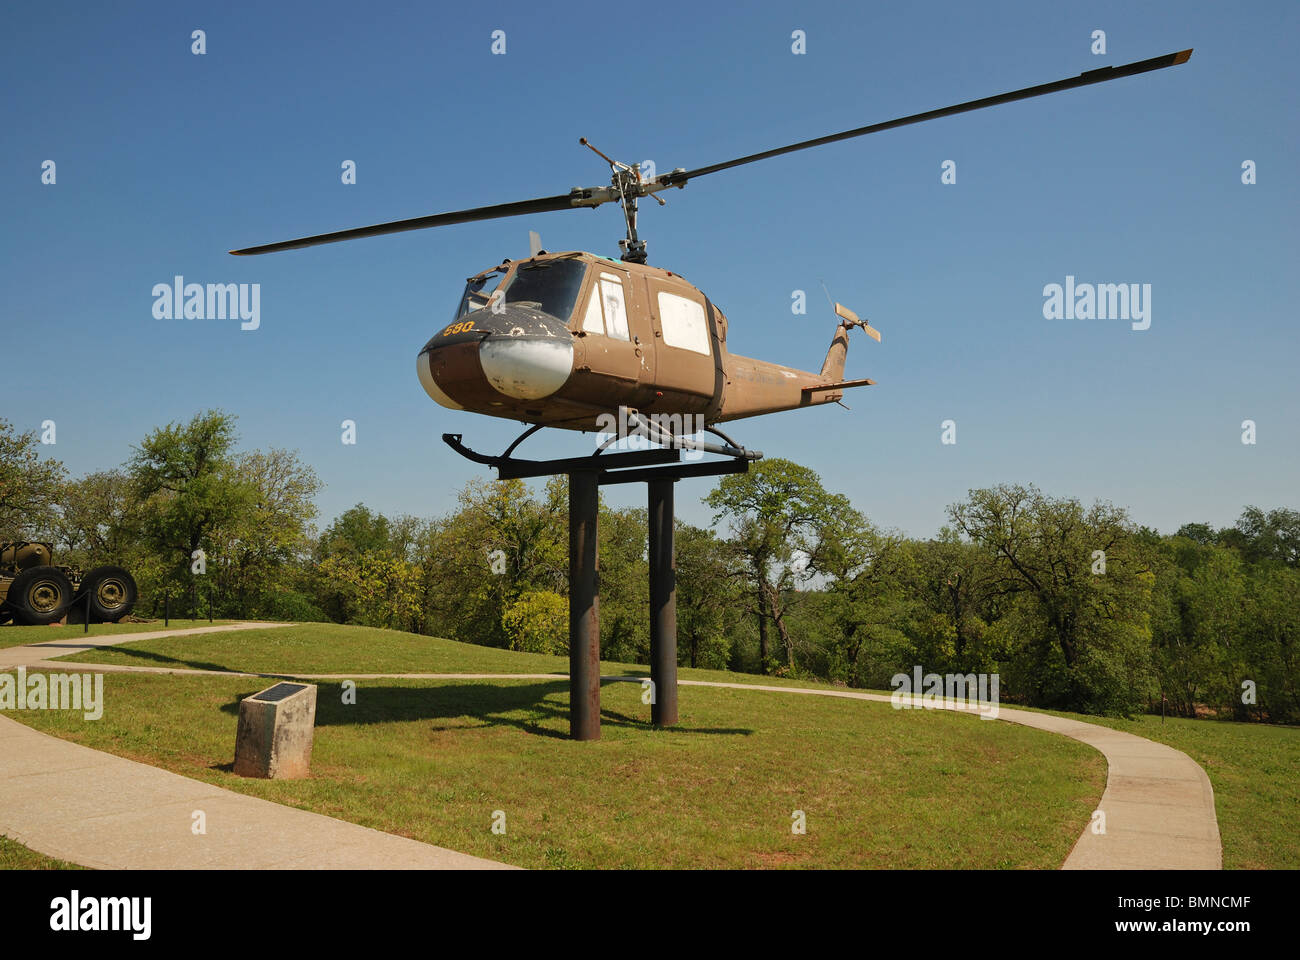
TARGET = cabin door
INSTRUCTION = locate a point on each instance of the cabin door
(615, 330)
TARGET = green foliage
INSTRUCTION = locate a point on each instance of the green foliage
(784, 526)
(97, 520)
(709, 608)
(1074, 606)
(501, 543)
(538, 622)
(29, 485)
(1081, 589)
(355, 531)
(185, 482)
(1270, 536)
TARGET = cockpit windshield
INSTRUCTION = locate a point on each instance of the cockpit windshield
(551, 286)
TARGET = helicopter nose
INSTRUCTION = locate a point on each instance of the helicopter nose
(526, 367)
(519, 353)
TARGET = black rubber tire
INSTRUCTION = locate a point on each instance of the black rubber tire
(112, 594)
(39, 596)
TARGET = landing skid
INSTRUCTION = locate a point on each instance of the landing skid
(660, 462)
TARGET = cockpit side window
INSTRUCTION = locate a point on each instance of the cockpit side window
(477, 295)
(592, 322)
(606, 311)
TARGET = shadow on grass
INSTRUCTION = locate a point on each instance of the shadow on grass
(162, 660)
(528, 707)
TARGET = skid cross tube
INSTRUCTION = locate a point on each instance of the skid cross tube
(659, 469)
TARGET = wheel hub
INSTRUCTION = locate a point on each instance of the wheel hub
(44, 596)
(111, 593)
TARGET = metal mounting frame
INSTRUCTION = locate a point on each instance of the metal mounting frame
(659, 468)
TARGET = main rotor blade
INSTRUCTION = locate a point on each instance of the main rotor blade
(1082, 80)
(541, 205)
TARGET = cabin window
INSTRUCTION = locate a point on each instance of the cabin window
(612, 299)
(682, 320)
(591, 323)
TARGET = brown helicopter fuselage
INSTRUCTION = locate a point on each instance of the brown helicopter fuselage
(562, 339)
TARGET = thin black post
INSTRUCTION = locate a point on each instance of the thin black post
(209, 603)
(86, 627)
(167, 608)
(584, 607)
(663, 605)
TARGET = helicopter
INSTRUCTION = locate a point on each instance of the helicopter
(562, 339)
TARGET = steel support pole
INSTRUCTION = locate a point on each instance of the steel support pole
(584, 607)
(663, 604)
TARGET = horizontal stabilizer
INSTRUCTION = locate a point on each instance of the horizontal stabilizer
(841, 385)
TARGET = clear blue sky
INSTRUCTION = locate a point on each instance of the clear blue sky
(166, 160)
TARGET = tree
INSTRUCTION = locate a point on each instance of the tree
(1199, 593)
(538, 622)
(706, 597)
(356, 531)
(1082, 592)
(96, 519)
(378, 589)
(778, 512)
(274, 529)
(29, 485)
(188, 486)
(624, 584)
(1270, 646)
(1201, 533)
(1270, 536)
(957, 580)
(870, 608)
(501, 543)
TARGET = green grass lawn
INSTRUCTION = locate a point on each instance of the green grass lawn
(334, 648)
(1255, 769)
(432, 760)
(12, 636)
(14, 856)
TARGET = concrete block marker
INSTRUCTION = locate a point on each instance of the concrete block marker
(275, 732)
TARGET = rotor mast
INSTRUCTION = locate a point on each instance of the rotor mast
(626, 186)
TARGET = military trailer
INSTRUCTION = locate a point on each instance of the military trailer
(34, 592)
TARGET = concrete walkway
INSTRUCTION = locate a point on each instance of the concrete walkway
(1158, 803)
(88, 807)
